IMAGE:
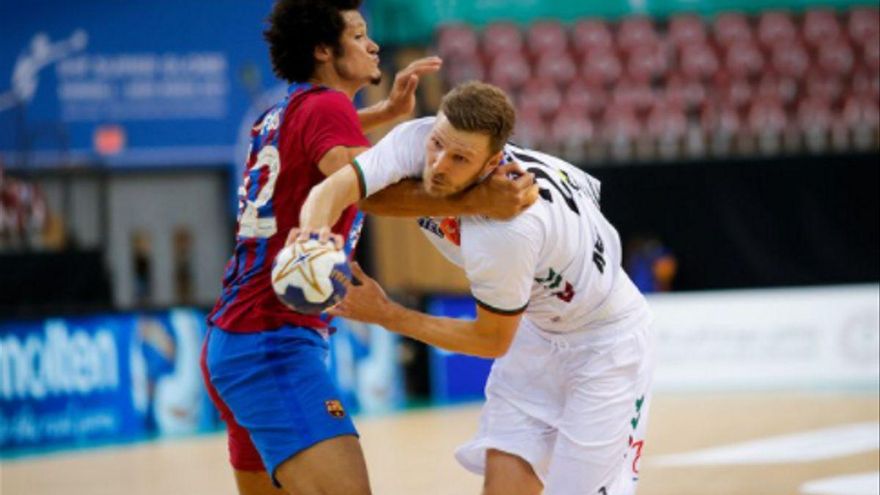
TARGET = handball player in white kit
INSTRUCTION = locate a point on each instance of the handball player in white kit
(568, 395)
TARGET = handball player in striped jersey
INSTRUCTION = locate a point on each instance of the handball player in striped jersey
(264, 364)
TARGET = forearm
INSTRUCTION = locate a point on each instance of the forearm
(327, 200)
(408, 198)
(375, 115)
(452, 334)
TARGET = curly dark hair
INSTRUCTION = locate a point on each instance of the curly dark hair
(296, 27)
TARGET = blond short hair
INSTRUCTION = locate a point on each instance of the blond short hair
(479, 107)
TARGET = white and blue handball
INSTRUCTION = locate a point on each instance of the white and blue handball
(310, 276)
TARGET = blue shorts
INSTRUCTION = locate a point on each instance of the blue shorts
(274, 391)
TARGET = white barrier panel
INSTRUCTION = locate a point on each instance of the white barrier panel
(812, 338)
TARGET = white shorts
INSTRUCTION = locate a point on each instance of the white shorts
(574, 406)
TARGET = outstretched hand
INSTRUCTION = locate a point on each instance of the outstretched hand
(402, 99)
(505, 193)
(365, 300)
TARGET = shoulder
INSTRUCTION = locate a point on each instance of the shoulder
(526, 228)
(323, 101)
(412, 129)
(407, 136)
(326, 96)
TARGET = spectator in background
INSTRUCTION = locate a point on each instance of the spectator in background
(650, 264)
(24, 215)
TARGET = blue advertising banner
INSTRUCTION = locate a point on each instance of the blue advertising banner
(86, 380)
(80, 381)
(364, 363)
(165, 82)
(456, 377)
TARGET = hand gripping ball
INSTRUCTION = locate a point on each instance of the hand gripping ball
(309, 276)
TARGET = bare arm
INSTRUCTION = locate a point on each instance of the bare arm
(488, 336)
(408, 198)
(402, 99)
(325, 201)
(498, 197)
(338, 157)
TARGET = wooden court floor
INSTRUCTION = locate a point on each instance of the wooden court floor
(411, 453)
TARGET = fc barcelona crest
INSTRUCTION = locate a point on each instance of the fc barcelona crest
(334, 408)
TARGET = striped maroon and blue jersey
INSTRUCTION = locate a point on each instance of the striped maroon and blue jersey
(287, 142)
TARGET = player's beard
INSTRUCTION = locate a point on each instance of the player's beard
(346, 74)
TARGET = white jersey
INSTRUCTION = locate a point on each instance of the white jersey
(560, 260)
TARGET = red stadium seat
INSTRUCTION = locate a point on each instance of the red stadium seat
(546, 37)
(814, 113)
(667, 125)
(861, 112)
(635, 31)
(530, 130)
(581, 96)
(767, 115)
(820, 26)
(686, 30)
(723, 120)
(835, 56)
(698, 61)
(743, 59)
(768, 123)
(558, 67)
(509, 70)
(790, 59)
(823, 86)
(735, 91)
(871, 54)
(776, 87)
(865, 83)
(732, 27)
(776, 27)
(648, 62)
(864, 24)
(502, 37)
(457, 40)
(620, 130)
(589, 34)
(633, 94)
(687, 93)
(862, 116)
(461, 69)
(815, 120)
(666, 120)
(601, 66)
(540, 96)
(571, 129)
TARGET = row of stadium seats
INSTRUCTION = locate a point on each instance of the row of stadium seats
(731, 80)
(767, 31)
(667, 132)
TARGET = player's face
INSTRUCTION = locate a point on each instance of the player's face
(358, 59)
(455, 159)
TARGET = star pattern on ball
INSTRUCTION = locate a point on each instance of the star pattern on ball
(302, 263)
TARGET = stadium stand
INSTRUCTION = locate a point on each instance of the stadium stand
(776, 82)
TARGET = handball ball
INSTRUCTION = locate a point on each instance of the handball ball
(309, 276)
